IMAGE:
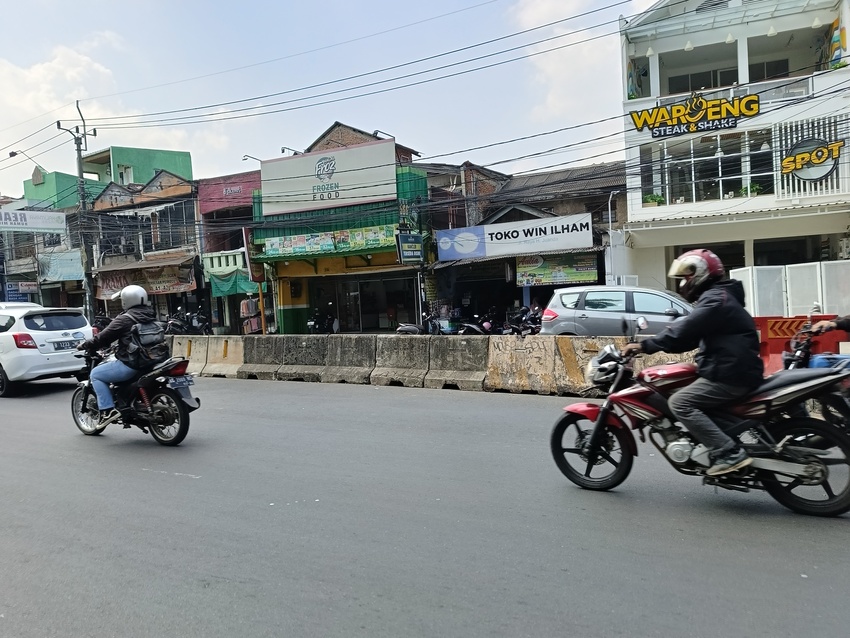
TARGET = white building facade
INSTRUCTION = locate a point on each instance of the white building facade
(737, 133)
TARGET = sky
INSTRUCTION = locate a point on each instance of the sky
(256, 76)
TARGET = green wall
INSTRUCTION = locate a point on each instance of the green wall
(59, 190)
(145, 162)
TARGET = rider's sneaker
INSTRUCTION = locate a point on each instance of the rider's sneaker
(732, 460)
(108, 416)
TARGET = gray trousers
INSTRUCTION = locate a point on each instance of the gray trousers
(691, 404)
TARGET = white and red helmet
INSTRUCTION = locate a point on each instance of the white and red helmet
(697, 269)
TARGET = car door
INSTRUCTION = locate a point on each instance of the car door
(601, 313)
(658, 309)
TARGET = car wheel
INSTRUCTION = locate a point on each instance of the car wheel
(7, 388)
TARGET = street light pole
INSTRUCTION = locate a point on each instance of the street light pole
(611, 235)
(85, 251)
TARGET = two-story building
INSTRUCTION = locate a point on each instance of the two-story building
(736, 122)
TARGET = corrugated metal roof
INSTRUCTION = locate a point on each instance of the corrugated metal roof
(477, 260)
(739, 215)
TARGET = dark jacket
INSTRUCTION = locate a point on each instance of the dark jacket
(843, 323)
(119, 328)
(725, 333)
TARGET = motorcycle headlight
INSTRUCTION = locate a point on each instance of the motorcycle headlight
(599, 374)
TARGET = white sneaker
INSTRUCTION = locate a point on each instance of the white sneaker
(108, 416)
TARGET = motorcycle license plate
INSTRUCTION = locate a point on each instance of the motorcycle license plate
(180, 382)
(65, 345)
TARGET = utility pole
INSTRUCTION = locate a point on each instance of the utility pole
(86, 242)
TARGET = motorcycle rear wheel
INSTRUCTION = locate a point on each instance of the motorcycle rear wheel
(170, 423)
(88, 422)
(823, 498)
(569, 442)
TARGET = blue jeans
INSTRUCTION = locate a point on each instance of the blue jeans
(113, 371)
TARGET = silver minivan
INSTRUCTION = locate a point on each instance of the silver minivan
(599, 310)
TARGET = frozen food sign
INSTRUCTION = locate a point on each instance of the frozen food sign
(495, 240)
(348, 176)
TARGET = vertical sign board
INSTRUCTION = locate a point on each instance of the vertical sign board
(410, 248)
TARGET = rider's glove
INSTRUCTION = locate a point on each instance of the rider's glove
(86, 345)
(632, 349)
(823, 326)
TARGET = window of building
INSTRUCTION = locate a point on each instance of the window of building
(599, 211)
(51, 240)
(710, 167)
(761, 71)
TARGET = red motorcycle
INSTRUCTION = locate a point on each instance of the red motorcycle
(801, 462)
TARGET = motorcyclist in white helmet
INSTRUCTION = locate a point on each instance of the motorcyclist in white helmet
(134, 301)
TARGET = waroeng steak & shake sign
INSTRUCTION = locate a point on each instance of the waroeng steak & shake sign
(696, 115)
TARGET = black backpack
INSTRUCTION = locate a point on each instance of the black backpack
(147, 346)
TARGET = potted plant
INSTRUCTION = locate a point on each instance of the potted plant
(755, 189)
(652, 199)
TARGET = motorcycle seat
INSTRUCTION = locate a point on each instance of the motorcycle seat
(789, 377)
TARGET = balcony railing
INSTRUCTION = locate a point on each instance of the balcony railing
(768, 91)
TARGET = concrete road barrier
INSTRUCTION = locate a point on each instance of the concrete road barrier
(263, 355)
(401, 360)
(521, 364)
(192, 347)
(304, 358)
(350, 358)
(572, 355)
(225, 355)
(458, 361)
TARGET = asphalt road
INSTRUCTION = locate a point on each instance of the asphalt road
(301, 510)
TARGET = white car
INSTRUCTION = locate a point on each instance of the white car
(39, 343)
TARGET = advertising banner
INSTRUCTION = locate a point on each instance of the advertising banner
(329, 178)
(256, 270)
(13, 292)
(556, 269)
(506, 240)
(157, 281)
(328, 243)
(30, 221)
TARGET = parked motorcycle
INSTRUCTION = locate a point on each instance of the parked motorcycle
(322, 322)
(430, 326)
(485, 324)
(798, 461)
(182, 323)
(158, 402)
(524, 323)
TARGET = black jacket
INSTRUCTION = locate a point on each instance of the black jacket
(843, 323)
(725, 333)
(119, 328)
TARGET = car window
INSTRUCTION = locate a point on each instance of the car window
(55, 321)
(649, 303)
(569, 299)
(6, 322)
(605, 301)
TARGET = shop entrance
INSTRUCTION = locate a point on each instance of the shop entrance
(369, 305)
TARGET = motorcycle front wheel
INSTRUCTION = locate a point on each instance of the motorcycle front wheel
(613, 461)
(87, 422)
(170, 420)
(826, 450)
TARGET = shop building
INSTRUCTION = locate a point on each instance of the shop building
(226, 205)
(148, 236)
(326, 224)
(539, 232)
(735, 133)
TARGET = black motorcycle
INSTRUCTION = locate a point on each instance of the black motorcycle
(524, 323)
(485, 324)
(430, 326)
(322, 322)
(182, 323)
(158, 401)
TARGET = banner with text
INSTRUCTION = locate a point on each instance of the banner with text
(533, 270)
(514, 238)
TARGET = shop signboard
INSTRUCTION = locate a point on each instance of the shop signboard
(534, 270)
(410, 248)
(330, 178)
(13, 292)
(157, 281)
(329, 243)
(812, 160)
(256, 270)
(515, 238)
(695, 115)
(30, 221)
(28, 287)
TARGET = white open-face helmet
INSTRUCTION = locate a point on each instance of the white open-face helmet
(131, 296)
